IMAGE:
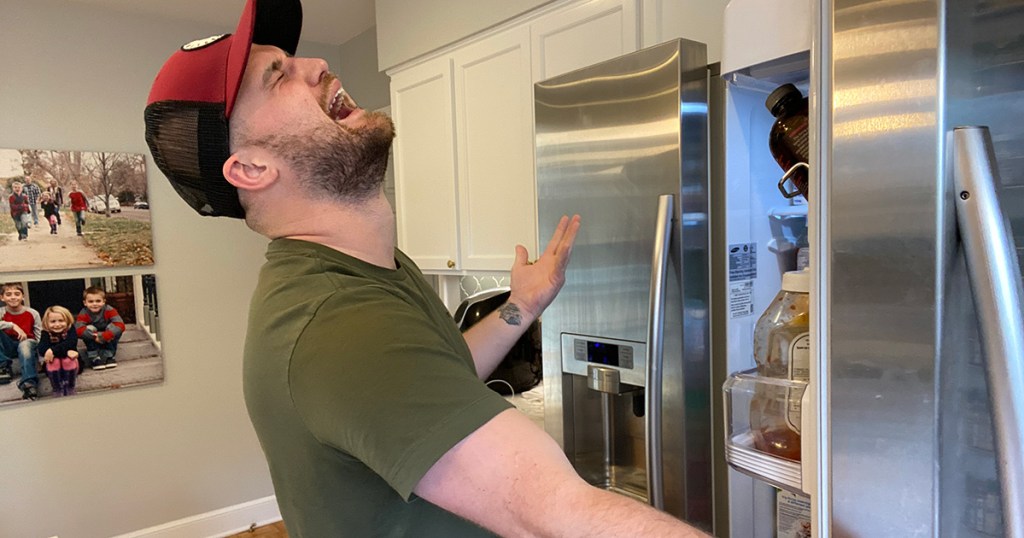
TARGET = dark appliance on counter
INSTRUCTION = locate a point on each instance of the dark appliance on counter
(521, 367)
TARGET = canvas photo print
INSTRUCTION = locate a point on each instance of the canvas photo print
(63, 338)
(73, 209)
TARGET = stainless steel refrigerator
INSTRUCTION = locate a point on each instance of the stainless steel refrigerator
(626, 356)
(908, 428)
(911, 416)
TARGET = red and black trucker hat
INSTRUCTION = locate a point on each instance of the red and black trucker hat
(192, 98)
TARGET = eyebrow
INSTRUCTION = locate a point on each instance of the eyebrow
(271, 69)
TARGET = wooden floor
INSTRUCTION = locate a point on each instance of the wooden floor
(274, 530)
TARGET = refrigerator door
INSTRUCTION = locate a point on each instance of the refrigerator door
(910, 425)
(611, 140)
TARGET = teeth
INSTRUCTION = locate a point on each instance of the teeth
(340, 103)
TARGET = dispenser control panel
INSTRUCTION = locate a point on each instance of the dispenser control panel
(604, 353)
(627, 356)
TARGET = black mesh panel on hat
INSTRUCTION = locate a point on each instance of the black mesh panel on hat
(189, 143)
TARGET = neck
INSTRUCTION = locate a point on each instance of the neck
(364, 230)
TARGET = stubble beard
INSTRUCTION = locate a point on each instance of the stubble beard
(343, 163)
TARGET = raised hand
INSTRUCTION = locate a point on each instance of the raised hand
(535, 284)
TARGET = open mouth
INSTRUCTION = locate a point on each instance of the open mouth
(341, 105)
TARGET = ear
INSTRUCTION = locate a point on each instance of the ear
(250, 169)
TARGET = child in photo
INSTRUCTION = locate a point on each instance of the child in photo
(78, 206)
(20, 211)
(50, 210)
(100, 327)
(20, 328)
(58, 348)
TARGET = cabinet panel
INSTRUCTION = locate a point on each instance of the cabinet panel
(696, 20)
(494, 118)
(583, 35)
(424, 154)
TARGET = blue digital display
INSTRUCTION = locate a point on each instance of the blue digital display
(599, 353)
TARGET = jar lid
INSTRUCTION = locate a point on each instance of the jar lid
(780, 94)
(797, 281)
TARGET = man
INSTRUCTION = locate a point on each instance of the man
(368, 402)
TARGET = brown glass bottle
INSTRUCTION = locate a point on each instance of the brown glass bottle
(788, 140)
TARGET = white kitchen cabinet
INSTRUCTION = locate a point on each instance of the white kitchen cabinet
(494, 133)
(425, 169)
(696, 20)
(582, 35)
(464, 169)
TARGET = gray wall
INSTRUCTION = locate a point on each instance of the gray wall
(358, 70)
(407, 29)
(76, 77)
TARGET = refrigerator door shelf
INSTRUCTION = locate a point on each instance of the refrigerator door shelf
(747, 394)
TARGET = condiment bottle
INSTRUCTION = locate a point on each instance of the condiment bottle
(788, 138)
(782, 351)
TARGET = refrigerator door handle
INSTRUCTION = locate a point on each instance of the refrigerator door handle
(994, 273)
(655, 345)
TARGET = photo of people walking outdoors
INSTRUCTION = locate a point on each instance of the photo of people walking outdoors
(73, 209)
(65, 337)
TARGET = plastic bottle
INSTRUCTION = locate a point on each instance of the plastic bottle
(788, 138)
(782, 351)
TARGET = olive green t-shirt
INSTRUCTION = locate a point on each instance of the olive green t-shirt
(357, 381)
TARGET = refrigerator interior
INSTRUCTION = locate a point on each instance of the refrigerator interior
(762, 230)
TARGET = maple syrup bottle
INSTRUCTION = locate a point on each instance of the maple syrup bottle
(788, 140)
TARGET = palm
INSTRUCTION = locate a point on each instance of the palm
(535, 285)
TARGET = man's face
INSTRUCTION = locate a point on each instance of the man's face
(296, 108)
(17, 189)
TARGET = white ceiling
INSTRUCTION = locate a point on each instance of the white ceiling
(326, 21)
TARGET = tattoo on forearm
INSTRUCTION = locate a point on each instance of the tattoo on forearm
(510, 313)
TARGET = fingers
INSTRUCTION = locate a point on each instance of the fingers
(564, 236)
(522, 256)
(556, 237)
(569, 239)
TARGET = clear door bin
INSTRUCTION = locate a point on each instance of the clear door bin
(770, 449)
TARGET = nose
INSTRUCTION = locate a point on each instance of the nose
(312, 70)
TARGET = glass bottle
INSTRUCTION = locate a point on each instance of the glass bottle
(782, 351)
(788, 138)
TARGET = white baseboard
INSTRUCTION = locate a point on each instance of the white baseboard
(216, 524)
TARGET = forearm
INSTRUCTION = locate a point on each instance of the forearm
(589, 512)
(491, 338)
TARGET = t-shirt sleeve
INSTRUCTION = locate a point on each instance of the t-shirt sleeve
(372, 377)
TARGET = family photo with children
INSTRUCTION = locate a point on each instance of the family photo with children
(51, 347)
(73, 209)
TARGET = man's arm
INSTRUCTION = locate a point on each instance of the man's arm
(512, 478)
(534, 286)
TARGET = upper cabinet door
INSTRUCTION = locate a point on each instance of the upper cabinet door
(494, 126)
(696, 20)
(424, 154)
(583, 35)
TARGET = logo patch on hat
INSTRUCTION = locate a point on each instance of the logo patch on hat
(205, 42)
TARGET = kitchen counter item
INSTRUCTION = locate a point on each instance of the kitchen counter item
(520, 370)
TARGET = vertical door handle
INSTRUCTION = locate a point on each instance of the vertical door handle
(993, 270)
(655, 348)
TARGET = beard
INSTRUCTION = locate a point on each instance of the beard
(343, 163)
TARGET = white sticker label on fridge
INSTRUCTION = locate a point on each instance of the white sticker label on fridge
(741, 299)
(742, 262)
(793, 515)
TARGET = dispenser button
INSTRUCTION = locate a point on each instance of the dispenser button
(626, 357)
(579, 350)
